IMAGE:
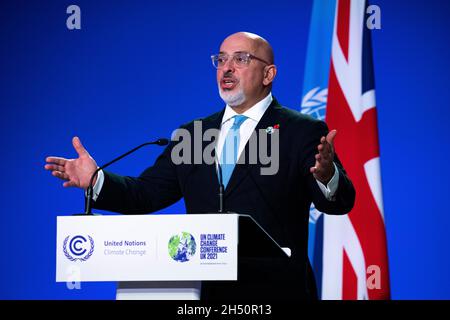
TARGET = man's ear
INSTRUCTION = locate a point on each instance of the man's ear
(269, 74)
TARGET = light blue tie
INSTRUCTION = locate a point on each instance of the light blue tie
(230, 149)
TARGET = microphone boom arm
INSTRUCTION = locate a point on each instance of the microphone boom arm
(89, 191)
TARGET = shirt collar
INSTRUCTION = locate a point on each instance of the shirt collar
(255, 113)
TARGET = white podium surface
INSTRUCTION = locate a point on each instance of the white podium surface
(159, 290)
(186, 248)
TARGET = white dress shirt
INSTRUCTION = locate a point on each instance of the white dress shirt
(254, 114)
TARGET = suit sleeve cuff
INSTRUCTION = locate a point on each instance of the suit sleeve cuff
(98, 185)
(329, 191)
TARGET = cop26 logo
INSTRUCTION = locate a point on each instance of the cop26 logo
(182, 247)
(78, 248)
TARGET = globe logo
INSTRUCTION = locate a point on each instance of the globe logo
(182, 247)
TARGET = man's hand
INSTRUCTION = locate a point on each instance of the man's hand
(323, 170)
(75, 172)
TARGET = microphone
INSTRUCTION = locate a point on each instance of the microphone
(89, 191)
(221, 187)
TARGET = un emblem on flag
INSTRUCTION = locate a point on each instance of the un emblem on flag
(314, 103)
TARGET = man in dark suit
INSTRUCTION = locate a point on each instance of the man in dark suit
(305, 170)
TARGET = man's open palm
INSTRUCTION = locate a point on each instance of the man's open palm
(75, 172)
(323, 169)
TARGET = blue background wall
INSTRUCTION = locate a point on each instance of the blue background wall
(138, 69)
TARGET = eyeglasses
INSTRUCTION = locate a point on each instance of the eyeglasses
(240, 59)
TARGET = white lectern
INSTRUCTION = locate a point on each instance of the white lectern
(158, 257)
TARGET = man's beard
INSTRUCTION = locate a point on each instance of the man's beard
(233, 99)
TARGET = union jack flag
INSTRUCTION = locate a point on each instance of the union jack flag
(348, 253)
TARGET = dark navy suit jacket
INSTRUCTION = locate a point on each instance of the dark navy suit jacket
(280, 202)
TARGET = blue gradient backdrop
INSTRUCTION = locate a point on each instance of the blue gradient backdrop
(139, 69)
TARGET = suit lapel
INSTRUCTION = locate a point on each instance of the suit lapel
(212, 122)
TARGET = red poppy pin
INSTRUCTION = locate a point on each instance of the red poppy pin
(271, 129)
